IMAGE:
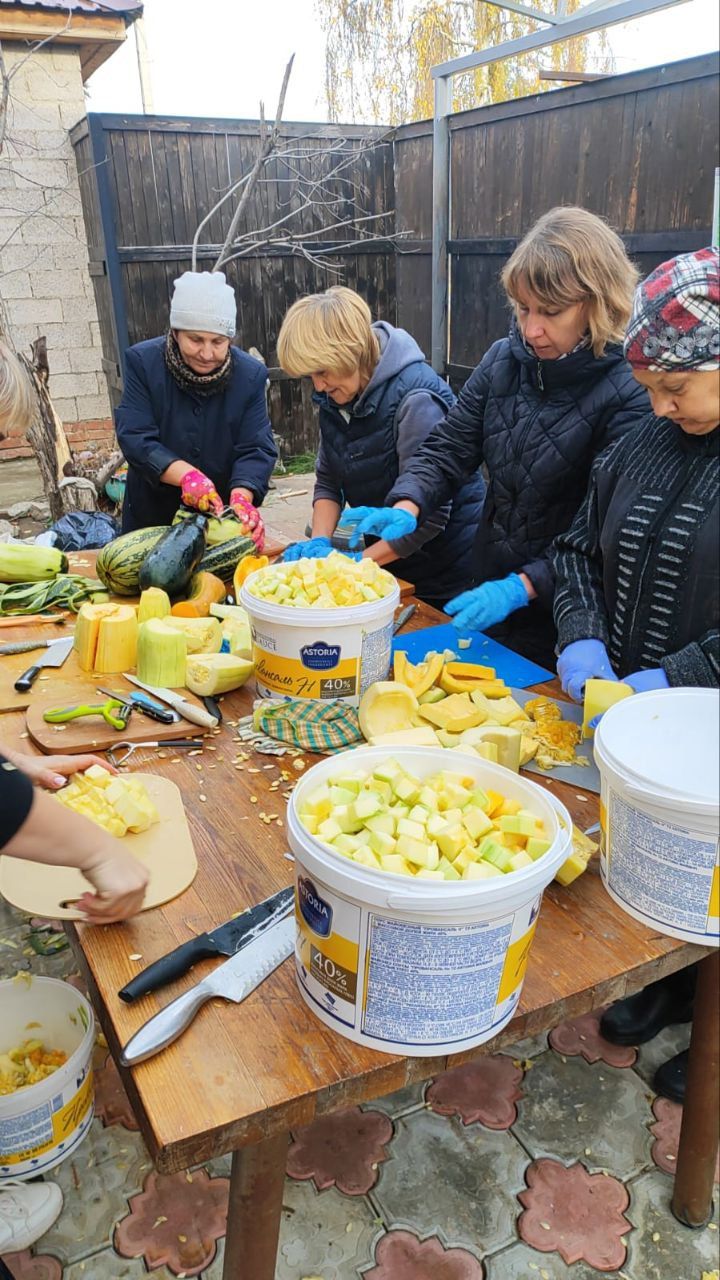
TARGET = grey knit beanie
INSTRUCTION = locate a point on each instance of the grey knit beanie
(202, 300)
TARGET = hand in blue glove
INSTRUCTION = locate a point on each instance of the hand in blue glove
(580, 661)
(313, 549)
(644, 681)
(489, 604)
(382, 522)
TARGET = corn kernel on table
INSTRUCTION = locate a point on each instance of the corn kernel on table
(243, 1076)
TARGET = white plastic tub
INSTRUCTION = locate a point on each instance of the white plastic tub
(321, 654)
(411, 966)
(660, 810)
(41, 1125)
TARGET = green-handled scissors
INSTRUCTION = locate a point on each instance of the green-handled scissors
(114, 712)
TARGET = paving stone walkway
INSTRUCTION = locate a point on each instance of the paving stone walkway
(550, 1161)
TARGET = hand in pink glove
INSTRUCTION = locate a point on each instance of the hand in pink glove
(249, 516)
(200, 493)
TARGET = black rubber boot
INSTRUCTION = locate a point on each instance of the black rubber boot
(671, 1078)
(638, 1018)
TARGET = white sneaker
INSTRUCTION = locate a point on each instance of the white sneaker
(27, 1211)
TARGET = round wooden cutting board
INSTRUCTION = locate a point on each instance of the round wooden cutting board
(166, 849)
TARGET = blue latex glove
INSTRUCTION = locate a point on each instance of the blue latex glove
(643, 681)
(382, 522)
(580, 661)
(489, 604)
(313, 549)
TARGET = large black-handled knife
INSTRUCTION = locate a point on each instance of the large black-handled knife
(234, 980)
(226, 940)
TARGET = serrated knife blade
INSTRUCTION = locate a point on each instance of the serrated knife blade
(233, 980)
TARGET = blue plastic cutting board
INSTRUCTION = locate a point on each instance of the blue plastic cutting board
(509, 666)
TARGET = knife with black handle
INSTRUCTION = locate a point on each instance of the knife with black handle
(226, 940)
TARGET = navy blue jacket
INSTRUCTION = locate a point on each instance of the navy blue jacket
(537, 425)
(226, 436)
(365, 446)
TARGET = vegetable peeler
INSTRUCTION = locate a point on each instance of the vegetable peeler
(114, 712)
(120, 752)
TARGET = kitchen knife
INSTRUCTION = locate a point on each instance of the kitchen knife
(144, 703)
(226, 940)
(404, 616)
(233, 980)
(196, 715)
(24, 646)
(54, 656)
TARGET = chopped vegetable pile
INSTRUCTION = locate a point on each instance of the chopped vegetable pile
(328, 583)
(27, 1064)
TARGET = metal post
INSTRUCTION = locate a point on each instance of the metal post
(697, 1152)
(441, 222)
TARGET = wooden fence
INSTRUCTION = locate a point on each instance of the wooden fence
(147, 183)
(640, 149)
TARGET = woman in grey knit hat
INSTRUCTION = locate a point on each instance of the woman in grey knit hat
(192, 422)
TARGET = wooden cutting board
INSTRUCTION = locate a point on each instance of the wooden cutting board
(166, 849)
(92, 733)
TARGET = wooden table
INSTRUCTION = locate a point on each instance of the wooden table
(242, 1077)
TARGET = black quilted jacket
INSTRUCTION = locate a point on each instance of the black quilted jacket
(537, 425)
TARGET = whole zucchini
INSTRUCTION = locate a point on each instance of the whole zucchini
(173, 560)
(222, 560)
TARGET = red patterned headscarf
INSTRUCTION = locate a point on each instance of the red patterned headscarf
(676, 315)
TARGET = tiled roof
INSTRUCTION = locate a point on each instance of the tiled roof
(118, 7)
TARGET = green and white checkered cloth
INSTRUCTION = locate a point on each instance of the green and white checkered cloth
(310, 726)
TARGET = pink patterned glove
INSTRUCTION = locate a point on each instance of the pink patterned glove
(250, 517)
(200, 493)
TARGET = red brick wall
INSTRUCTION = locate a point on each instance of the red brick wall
(96, 433)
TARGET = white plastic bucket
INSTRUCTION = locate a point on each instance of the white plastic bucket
(41, 1125)
(659, 810)
(410, 966)
(322, 654)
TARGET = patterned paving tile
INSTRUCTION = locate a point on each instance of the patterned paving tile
(577, 1214)
(322, 1233)
(660, 1248)
(565, 1109)
(96, 1183)
(399, 1103)
(486, 1090)
(463, 1179)
(28, 1266)
(402, 1256)
(521, 1263)
(112, 1104)
(666, 1129)
(108, 1265)
(175, 1220)
(583, 1036)
(670, 1041)
(343, 1150)
(530, 1047)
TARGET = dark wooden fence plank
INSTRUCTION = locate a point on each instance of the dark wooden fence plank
(639, 149)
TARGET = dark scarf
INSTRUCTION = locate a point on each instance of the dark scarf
(199, 384)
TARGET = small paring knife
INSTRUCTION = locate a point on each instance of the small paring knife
(233, 980)
(404, 616)
(188, 710)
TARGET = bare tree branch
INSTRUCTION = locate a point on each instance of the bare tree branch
(268, 143)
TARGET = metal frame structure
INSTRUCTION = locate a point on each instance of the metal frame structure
(592, 17)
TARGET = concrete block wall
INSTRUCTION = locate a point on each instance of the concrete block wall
(45, 285)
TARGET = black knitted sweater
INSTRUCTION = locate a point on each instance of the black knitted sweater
(639, 566)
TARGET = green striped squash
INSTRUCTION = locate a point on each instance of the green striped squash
(223, 559)
(118, 564)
